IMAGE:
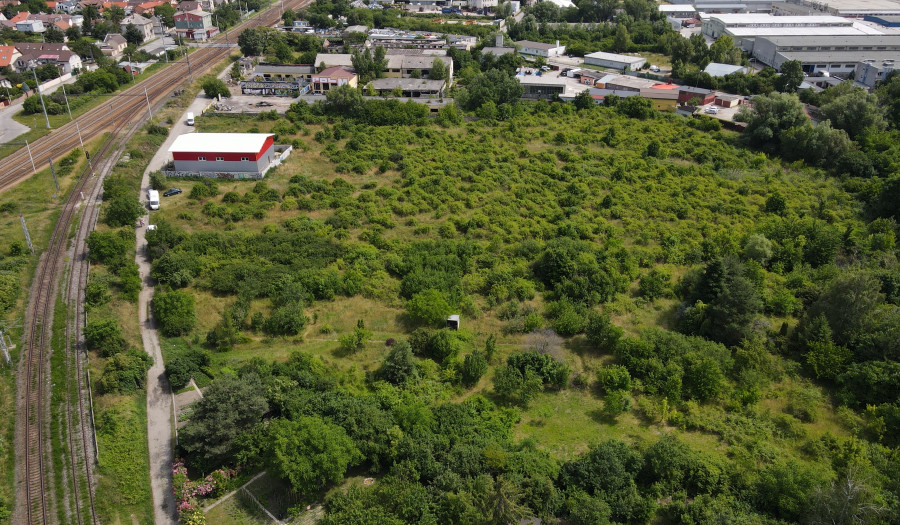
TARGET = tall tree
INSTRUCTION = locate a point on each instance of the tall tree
(791, 76)
(854, 113)
(310, 453)
(229, 408)
(622, 40)
(770, 116)
(133, 35)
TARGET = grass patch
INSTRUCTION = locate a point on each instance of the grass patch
(238, 510)
(123, 491)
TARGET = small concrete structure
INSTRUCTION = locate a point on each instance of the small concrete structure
(715, 69)
(453, 322)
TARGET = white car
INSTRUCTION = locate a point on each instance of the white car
(654, 69)
(712, 110)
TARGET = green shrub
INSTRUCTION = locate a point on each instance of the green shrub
(175, 312)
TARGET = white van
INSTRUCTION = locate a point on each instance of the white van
(153, 197)
(190, 119)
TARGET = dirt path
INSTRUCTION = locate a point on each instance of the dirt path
(159, 400)
(159, 394)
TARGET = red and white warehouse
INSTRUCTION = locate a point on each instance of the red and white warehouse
(234, 155)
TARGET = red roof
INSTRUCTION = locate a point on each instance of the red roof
(6, 55)
(336, 72)
(665, 86)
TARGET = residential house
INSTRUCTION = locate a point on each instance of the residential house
(61, 20)
(146, 8)
(30, 26)
(188, 6)
(144, 25)
(333, 77)
(540, 49)
(69, 7)
(113, 45)
(195, 25)
(8, 56)
(38, 54)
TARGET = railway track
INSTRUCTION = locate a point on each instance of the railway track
(116, 116)
(125, 106)
(37, 348)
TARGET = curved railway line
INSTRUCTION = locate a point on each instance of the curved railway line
(121, 113)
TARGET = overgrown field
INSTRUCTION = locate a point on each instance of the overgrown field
(654, 321)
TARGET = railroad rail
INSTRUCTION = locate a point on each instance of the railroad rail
(126, 105)
(116, 115)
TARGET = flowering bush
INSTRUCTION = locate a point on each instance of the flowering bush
(188, 493)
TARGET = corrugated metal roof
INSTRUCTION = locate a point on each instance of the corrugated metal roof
(219, 142)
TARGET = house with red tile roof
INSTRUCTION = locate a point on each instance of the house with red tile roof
(8, 56)
(333, 77)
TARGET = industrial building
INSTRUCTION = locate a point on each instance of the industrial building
(225, 155)
(884, 20)
(678, 10)
(836, 55)
(868, 73)
(615, 61)
(540, 49)
(860, 8)
(744, 29)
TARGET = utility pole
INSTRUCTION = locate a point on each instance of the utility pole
(4, 348)
(27, 147)
(55, 180)
(67, 102)
(148, 103)
(40, 94)
(27, 237)
(188, 58)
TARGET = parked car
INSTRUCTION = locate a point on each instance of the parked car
(654, 69)
(172, 191)
(712, 110)
(153, 199)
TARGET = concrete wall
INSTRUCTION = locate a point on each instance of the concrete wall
(50, 84)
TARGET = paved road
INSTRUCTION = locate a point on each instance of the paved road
(9, 128)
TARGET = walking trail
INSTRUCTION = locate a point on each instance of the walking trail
(159, 393)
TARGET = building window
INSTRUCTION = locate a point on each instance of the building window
(201, 158)
(220, 159)
(245, 159)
